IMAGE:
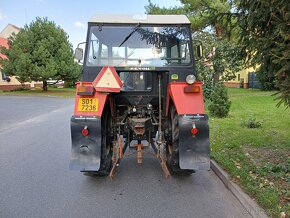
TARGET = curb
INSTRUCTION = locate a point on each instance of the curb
(249, 204)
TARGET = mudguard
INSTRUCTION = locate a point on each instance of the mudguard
(86, 150)
(194, 149)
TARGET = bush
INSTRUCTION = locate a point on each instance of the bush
(251, 123)
(266, 78)
(219, 105)
(207, 89)
(18, 89)
(70, 84)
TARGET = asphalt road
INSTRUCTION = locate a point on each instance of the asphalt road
(35, 179)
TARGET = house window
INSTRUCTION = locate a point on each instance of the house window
(239, 77)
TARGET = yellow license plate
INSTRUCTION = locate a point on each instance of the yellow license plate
(88, 104)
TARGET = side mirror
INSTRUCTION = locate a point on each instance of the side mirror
(79, 54)
(199, 51)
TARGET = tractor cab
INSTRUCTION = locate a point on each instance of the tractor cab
(138, 90)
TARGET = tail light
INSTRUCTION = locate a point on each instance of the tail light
(85, 88)
(191, 89)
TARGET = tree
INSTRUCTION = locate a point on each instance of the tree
(152, 8)
(264, 31)
(259, 29)
(219, 105)
(211, 29)
(221, 55)
(40, 52)
(201, 13)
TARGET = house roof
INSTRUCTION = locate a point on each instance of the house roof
(4, 43)
(16, 27)
(8, 30)
(143, 19)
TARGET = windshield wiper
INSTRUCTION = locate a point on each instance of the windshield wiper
(130, 34)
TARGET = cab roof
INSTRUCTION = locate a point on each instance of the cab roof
(139, 19)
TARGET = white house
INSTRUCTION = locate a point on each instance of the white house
(10, 82)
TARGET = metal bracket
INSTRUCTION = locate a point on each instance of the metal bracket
(116, 159)
(163, 164)
(161, 160)
(139, 153)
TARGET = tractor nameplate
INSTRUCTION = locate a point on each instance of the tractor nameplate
(88, 104)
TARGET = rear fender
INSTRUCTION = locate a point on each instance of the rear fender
(194, 150)
(86, 150)
(185, 102)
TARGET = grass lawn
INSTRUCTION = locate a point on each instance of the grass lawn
(52, 92)
(256, 158)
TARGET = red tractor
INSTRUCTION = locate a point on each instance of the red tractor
(138, 90)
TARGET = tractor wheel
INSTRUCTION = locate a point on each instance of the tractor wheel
(172, 146)
(107, 143)
(107, 146)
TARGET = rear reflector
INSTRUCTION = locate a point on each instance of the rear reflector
(85, 131)
(194, 131)
(191, 89)
(108, 80)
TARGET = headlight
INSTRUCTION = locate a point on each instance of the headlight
(190, 79)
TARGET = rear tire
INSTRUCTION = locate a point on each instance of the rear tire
(107, 145)
(172, 144)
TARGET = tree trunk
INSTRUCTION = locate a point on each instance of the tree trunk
(44, 86)
(216, 75)
(216, 67)
(218, 31)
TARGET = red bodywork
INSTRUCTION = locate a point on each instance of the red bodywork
(185, 100)
(98, 90)
(188, 99)
(102, 98)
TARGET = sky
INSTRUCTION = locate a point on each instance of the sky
(71, 15)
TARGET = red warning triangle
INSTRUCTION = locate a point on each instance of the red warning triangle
(108, 80)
